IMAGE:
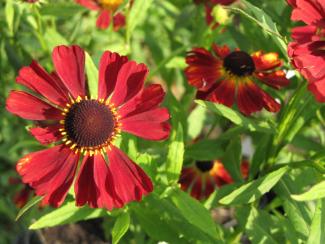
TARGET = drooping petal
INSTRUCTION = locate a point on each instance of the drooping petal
(104, 19)
(50, 172)
(69, 62)
(38, 80)
(224, 93)
(130, 182)
(47, 135)
(29, 107)
(150, 125)
(130, 81)
(91, 184)
(188, 174)
(275, 79)
(249, 98)
(266, 61)
(203, 69)
(149, 98)
(196, 190)
(312, 12)
(118, 21)
(90, 4)
(109, 67)
(318, 89)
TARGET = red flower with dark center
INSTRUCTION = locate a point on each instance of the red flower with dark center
(107, 11)
(84, 127)
(209, 5)
(308, 48)
(203, 177)
(225, 77)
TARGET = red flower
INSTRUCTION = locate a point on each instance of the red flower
(203, 177)
(225, 77)
(84, 127)
(308, 48)
(106, 9)
(22, 196)
(209, 5)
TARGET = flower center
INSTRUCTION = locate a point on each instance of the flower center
(239, 63)
(204, 166)
(89, 123)
(110, 4)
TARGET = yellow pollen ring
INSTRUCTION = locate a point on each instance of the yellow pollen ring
(96, 149)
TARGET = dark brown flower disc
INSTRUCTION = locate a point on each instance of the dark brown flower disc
(239, 63)
(89, 123)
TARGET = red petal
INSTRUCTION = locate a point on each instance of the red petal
(91, 184)
(224, 93)
(37, 79)
(130, 181)
(203, 69)
(104, 19)
(269, 103)
(266, 61)
(69, 62)
(150, 125)
(50, 172)
(318, 89)
(249, 98)
(196, 191)
(118, 21)
(30, 107)
(187, 176)
(221, 51)
(90, 4)
(130, 81)
(275, 79)
(109, 67)
(145, 100)
(46, 135)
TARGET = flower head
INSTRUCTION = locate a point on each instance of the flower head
(227, 77)
(84, 128)
(308, 48)
(203, 177)
(107, 10)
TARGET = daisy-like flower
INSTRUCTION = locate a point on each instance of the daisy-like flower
(107, 11)
(308, 48)
(227, 77)
(203, 177)
(209, 5)
(85, 129)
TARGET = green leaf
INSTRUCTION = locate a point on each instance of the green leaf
(121, 226)
(263, 20)
(92, 75)
(195, 213)
(175, 154)
(261, 227)
(232, 159)
(31, 203)
(316, 192)
(54, 38)
(10, 14)
(66, 214)
(251, 191)
(137, 14)
(317, 230)
(195, 122)
(236, 117)
(205, 150)
(297, 212)
(63, 10)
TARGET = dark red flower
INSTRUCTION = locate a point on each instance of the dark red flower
(209, 5)
(227, 77)
(107, 12)
(308, 48)
(87, 127)
(203, 177)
